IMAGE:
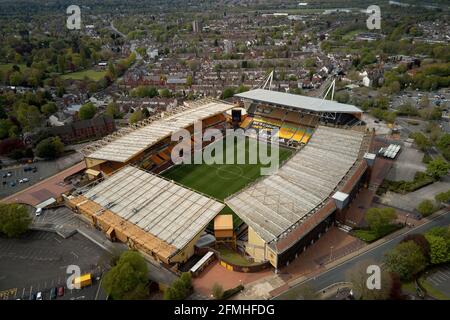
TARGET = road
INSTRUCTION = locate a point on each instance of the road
(338, 273)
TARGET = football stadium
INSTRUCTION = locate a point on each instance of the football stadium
(139, 196)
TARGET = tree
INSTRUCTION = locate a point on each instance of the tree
(406, 259)
(87, 111)
(217, 291)
(438, 168)
(128, 279)
(421, 241)
(29, 116)
(49, 108)
(358, 276)
(113, 110)
(426, 207)
(14, 219)
(136, 116)
(227, 93)
(443, 197)
(165, 93)
(180, 288)
(439, 251)
(378, 218)
(50, 148)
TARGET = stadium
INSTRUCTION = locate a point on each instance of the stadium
(138, 196)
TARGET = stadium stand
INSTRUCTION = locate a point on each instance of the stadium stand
(150, 213)
(274, 204)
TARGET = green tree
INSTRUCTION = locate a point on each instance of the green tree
(165, 93)
(49, 108)
(439, 249)
(29, 116)
(14, 219)
(217, 291)
(128, 279)
(438, 168)
(440, 197)
(406, 260)
(426, 207)
(87, 111)
(227, 93)
(136, 116)
(113, 110)
(180, 288)
(50, 148)
(378, 218)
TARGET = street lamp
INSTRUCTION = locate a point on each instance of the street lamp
(406, 218)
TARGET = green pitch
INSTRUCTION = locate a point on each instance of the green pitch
(220, 180)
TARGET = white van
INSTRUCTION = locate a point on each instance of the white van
(38, 212)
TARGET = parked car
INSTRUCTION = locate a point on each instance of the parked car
(5, 176)
(33, 296)
(12, 184)
(39, 296)
(53, 294)
(60, 291)
(9, 174)
(24, 180)
(38, 212)
(35, 169)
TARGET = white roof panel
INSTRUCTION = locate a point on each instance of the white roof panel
(136, 141)
(297, 101)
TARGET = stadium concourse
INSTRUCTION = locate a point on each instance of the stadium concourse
(324, 160)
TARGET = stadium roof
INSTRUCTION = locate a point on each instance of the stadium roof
(166, 210)
(132, 143)
(297, 101)
(273, 205)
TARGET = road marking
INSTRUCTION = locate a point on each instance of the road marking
(74, 254)
(446, 276)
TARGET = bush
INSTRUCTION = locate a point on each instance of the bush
(426, 207)
(217, 291)
(231, 292)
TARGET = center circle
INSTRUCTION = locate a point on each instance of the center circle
(230, 173)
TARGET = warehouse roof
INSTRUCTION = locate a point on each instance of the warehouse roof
(166, 210)
(297, 101)
(275, 204)
(132, 143)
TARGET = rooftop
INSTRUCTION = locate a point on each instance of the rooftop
(275, 204)
(136, 140)
(166, 210)
(297, 101)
